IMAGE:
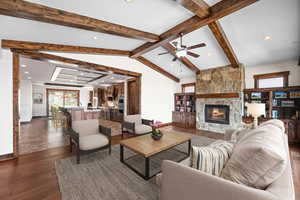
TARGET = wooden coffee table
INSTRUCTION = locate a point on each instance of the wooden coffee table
(147, 147)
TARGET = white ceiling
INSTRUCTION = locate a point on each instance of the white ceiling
(41, 72)
(245, 29)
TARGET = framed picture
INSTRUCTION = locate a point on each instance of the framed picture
(280, 95)
(37, 98)
(255, 95)
(295, 94)
(287, 104)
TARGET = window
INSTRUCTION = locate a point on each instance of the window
(61, 98)
(272, 80)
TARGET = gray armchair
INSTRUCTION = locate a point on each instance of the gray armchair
(88, 137)
(135, 125)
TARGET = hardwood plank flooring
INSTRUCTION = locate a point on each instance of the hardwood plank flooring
(32, 176)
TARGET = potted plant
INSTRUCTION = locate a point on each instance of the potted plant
(156, 133)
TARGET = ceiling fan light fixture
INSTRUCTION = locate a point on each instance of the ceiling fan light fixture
(181, 53)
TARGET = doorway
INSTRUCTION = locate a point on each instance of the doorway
(134, 96)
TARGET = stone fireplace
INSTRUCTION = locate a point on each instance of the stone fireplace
(219, 104)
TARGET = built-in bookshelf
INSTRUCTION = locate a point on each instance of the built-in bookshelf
(281, 103)
(185, 102)
(184, 114)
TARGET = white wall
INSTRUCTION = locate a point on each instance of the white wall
(6, 103)
(41, 109)
(157, 90)
(25, 101)
(292, 66)
(184, 80)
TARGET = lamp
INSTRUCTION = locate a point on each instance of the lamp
(256, 110)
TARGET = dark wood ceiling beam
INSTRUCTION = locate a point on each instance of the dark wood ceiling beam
(37, 12)
(223, 41)
(184, 60)
(36, 46)
(217, 11)
(157, 68)
(198, 7)
(79, 63)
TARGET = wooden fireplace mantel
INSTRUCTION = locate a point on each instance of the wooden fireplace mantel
(218, 95)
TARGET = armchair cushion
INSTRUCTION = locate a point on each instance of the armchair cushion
(141, 129)
(137, 119)
(86, 127)
(90, 142)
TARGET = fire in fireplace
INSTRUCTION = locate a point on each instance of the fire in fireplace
(217, 114)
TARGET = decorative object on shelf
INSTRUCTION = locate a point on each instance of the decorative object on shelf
(37, 98)
(287, 104)
(275, 102)
(280, 95)
(275, 114)
(295, 94)
(256, 110)
(156, 134)
(255, 95)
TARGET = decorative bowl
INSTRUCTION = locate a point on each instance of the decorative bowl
(156, 136)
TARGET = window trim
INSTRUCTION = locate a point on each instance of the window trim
(284, 75)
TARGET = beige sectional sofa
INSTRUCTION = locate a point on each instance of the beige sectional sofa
(181, 182)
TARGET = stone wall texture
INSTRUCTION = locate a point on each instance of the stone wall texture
(220, 80)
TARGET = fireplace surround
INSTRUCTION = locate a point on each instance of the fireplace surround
(218, 114)
(221, 86)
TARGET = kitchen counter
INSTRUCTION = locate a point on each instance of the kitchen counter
(80, 113)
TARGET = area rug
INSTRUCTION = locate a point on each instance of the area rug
(104, 177)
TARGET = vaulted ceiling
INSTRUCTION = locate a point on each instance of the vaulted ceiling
(246, 30)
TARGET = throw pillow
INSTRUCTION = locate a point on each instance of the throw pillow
(258, 159)
(211, 159)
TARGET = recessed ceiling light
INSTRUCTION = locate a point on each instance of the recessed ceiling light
(209, 54)
(129, 1)
(23, 65)
(95, 38)
(26, 72)
(268, 37)
(29, 77)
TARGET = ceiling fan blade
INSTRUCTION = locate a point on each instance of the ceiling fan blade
(196, 46)
(163, 53)
(175, 43)
(192, 54)
(174, 59)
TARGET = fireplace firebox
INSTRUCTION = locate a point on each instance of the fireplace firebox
(218, 114)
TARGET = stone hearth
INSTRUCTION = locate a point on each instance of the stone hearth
(220, 80)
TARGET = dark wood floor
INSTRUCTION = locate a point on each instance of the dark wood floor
(32, 176)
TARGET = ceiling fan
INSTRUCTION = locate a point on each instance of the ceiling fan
(182, 50)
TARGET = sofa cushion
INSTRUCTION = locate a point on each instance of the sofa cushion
(86, 127)
(133, 119)
(212, 158)
(258, 158)
(141, 129)
(90, 142)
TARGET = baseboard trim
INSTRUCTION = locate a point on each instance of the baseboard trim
(165, 124)
(8, 156)
(34, 117)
